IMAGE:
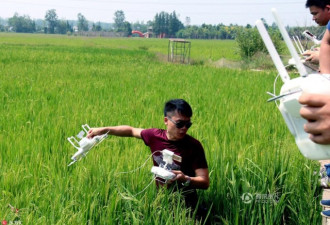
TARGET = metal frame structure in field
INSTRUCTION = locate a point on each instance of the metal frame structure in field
(179, 51)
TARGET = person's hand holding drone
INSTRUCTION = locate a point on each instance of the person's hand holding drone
(180, 176)
(96, 131)
(317, 113)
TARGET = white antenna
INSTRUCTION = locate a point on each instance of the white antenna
(272, 51)
(299, 42)
(299, 65)
(297, 45)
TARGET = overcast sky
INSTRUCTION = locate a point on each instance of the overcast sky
(242, 12)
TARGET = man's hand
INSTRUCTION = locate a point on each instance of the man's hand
(317, 113)
(201, 179)
(180, 177)
(96, 131)
(312, 55)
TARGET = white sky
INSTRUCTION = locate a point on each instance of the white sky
(242, 12)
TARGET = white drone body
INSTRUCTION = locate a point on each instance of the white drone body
(292, 90)
(161, 172)
(85, 144)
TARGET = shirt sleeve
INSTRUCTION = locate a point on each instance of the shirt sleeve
(328, 26)
(147, 135)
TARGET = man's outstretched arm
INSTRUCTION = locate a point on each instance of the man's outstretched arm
(122, 131)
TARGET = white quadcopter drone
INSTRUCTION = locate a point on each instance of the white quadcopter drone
(84, 145)
(292, 89)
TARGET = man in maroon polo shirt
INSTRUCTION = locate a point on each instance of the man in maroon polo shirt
(192, 172)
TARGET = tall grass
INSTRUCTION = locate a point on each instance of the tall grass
(50, 85)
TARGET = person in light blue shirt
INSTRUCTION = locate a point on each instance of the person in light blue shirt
(321, 15)
(316, 109)
(325, 52)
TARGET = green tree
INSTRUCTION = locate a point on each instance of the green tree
(156, 24)
(119, 20)
(250, 42)
(63, 27)
(52, 19)
(174, 24)
(22, 24)
(140, 26)
(96, 27)
(265, 23)
(69, 27)
(161, 23)
(166, 24)
(82, 23)
(127, 29)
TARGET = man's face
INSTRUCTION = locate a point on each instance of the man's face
(320, 16)
(172, 121)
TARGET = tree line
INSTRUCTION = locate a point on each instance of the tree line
(163, 25)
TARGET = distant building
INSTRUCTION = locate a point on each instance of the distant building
(149, 33)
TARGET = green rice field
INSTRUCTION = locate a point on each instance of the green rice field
(50, 85)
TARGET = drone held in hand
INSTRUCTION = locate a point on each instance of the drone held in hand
(84, 144)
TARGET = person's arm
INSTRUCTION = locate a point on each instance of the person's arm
(122, 131)
(201, 179)
(325, 53)
(317, 113)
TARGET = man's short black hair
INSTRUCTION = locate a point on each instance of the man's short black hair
(179, 105)
(318, 3)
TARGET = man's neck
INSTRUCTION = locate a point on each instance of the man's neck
(171, 138)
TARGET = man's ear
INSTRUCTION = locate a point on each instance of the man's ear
(328, 7)
(165, 120)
